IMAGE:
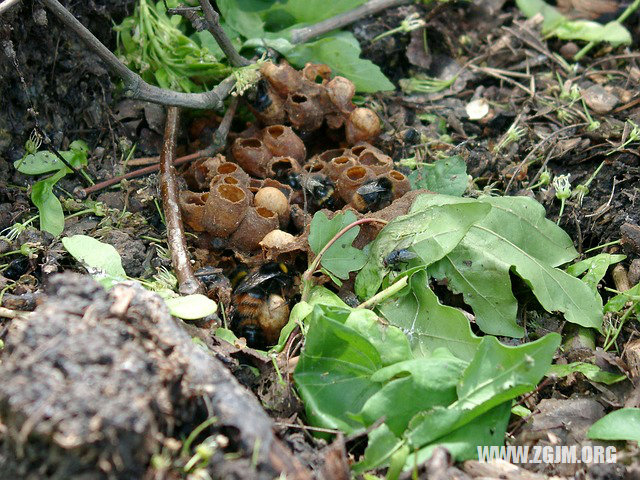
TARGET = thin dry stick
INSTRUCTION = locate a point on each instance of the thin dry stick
(301, 35)
(188, 284)
(7, 4)
(136, 87)
(219, 142)
(213, 23)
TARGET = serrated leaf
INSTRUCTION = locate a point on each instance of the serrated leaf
(428, 324)
(589, 370)
(430, 232)
(341, 258)
(341, 51)
(191, 307)
(49, 207)
(446, 175)
(496, 374)
(623, 424)
(514, 236)
(99, 256)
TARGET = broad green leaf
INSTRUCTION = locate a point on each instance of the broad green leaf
(514, 236)
(306, 11)
(244, 15)
(318, 295)
(596, 268)
(617, 303)
(191, 307)
(381, 446)
(623, 424)
(486, 430)
(98, 256)
(410, 387)
(333, 374)
(446, 175)
(341, 52)
(341, 258)
(390, 342)
(427, 323)
(46, 162)
(431, 233)
(589, 370)
(49, 207)
(496, 374)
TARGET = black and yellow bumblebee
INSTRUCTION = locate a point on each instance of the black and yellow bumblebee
(373, 195)
(260, 306)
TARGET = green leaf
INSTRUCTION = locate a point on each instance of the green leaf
(596, 268)
(341, 52)
(516, 236)
(381, 446)
(244, 15)
(446, 175)
(496, 374)
(617, 303)
(428, 324)
(45, 161)
(430, 232)
(589, 370)
(226, 335)
(101, 259)
(49, 207)
(308, 11)
(623, 424)
(341, 258)
(556, 24)
(333, 374)
(410, 387)
(486, 430)
(191, 307)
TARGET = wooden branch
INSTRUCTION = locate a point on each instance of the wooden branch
(188, 284)
(213, 23)
(219, 142)
(136, 87)
(301, 35)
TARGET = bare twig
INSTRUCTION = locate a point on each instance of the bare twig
(301, 35)
(187, 282)
(7, 4)
(213, 22)
(136, 87)
(219, 142)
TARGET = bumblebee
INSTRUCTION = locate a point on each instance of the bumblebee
(373, 195)
(260, 307)
(259, 97)
(318, 188)
(396, 257)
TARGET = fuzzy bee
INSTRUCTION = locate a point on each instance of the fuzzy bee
(318, 189)
(260, 307)
(373, 195)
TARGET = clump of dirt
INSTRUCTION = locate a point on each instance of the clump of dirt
(96, 383)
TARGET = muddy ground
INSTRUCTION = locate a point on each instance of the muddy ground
(147, 396)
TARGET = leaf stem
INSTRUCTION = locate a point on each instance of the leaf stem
(623, 16)
(386, 293)
(308, 274)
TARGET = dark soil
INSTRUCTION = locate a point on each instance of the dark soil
(99, 385)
